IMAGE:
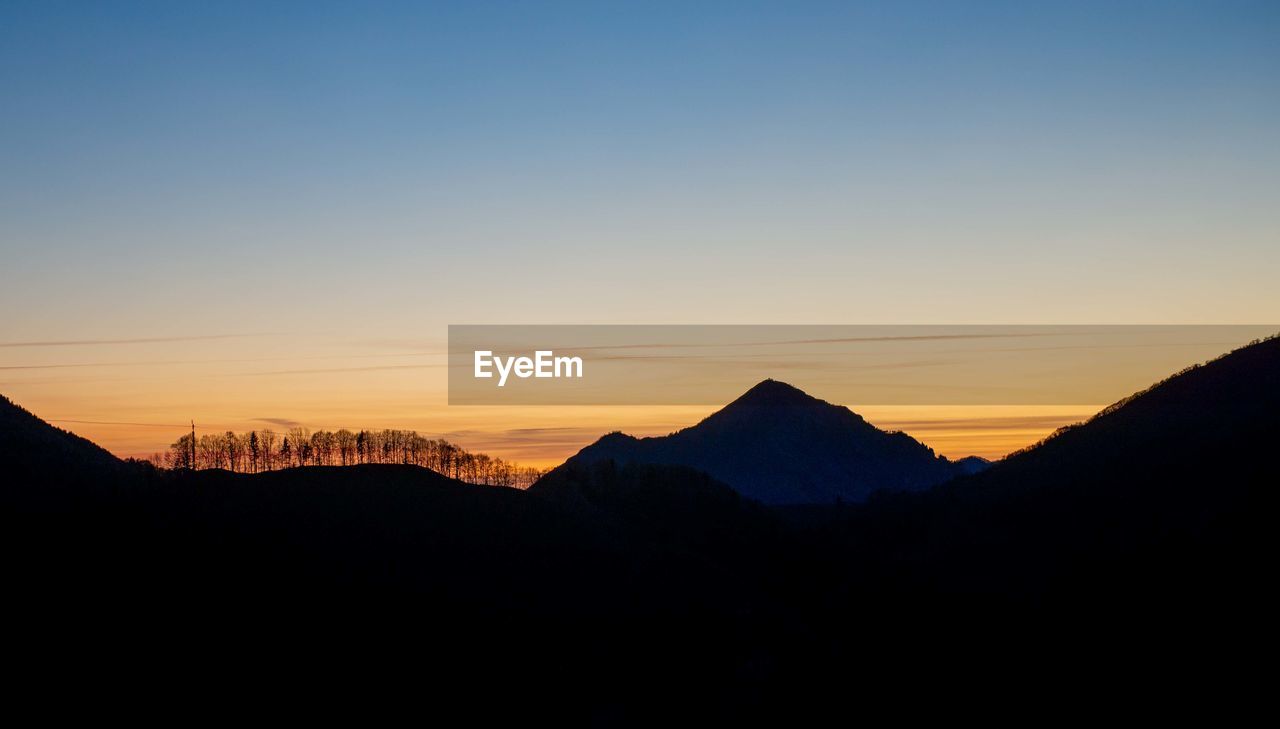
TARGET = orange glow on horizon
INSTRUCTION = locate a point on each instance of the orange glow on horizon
(135, 397)
(543, 437)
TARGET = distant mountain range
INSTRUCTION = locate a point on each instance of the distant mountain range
(1134, 544)
(778, 445)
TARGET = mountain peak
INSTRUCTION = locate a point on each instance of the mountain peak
(771, 385)
(778, 445)
(775, 392)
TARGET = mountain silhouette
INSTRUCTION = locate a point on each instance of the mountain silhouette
(1155, 496)
(1143, 530)
(1216, 418)
(1188, 444)
(779, 445)
(31, 448)
(973, 464)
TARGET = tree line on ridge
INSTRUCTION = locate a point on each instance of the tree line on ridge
(265, 450)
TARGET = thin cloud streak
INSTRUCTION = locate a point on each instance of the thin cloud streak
(115, 422)
(153, 363)
(282, 422)
(989, 423)
(140, 340)
(720, 361)
(337, 369)
(833, 340)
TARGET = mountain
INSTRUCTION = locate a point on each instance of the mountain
(1206, 421)
(32, 448)
(1153, 501)
(1183, 448)
(778, 445)
(973, 464)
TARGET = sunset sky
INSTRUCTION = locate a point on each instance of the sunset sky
(253, 214)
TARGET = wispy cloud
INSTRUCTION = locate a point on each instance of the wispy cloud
(756, 364)
(117, 422)
(282, 422)
(528, 443)
(831, 340)
(138, 340)
(49, 366)
(436, 346)
(908, 338)
(338, 369)
(1016, 422)
(153, 363)
(526, 436)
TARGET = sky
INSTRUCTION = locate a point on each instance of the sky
(226, 197)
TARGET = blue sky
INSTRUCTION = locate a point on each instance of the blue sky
(598, 162)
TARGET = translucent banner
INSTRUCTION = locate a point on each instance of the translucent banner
(848, 364)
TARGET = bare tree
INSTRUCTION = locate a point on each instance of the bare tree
(182, 451)
(254, 449)
(300, 438)
(346, 443)
(268, 440)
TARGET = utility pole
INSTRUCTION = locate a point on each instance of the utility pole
(192, 462)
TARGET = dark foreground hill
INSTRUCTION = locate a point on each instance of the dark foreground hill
(30, 447)
(778, 445)
(1154, 500)
(317, 573)
(1130, 549)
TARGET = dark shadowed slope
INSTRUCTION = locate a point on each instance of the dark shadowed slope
(1157, 499)
(778, 445)
(374, 528)
(315, 566)
(1218, 418)
(28, 445)
(86, 520)
(672, 505)
(44, 469)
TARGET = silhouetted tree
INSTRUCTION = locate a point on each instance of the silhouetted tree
(181, 452)
(346, 444)
(255, 451)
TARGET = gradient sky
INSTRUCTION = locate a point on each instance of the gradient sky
(343, 182)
